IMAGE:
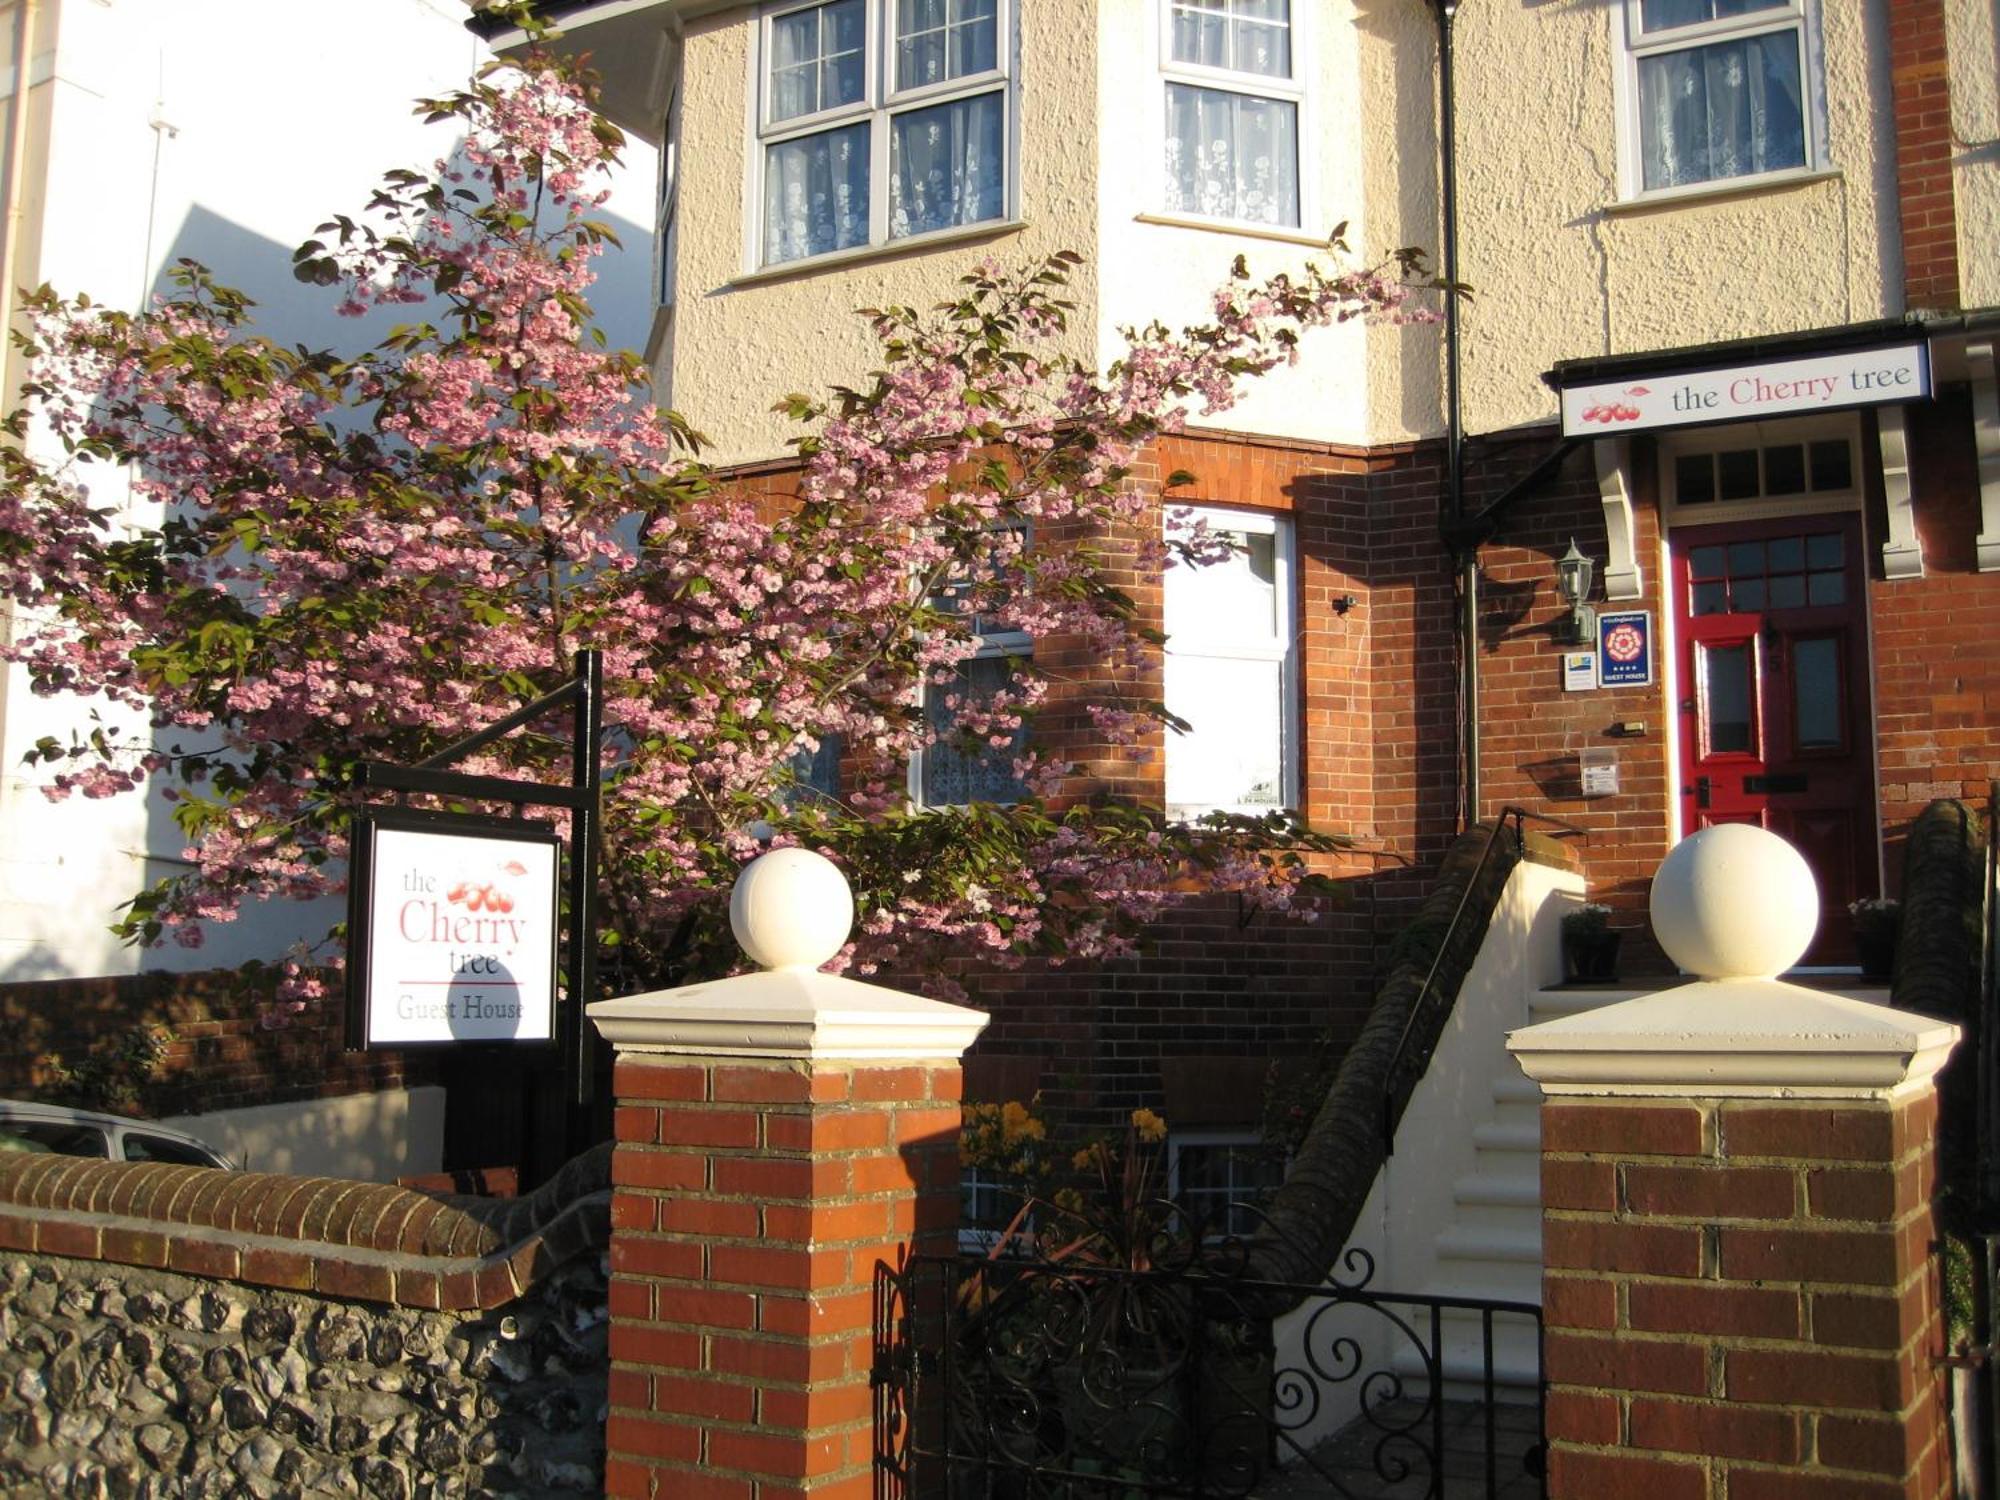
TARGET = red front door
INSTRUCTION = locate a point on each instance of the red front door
(1774, 721)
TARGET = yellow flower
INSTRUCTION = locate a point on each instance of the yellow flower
(1013, 1121)
(1086, 1158)
(1149, 1125)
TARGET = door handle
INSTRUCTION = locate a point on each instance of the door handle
(1701, 791)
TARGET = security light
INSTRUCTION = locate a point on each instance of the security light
(1573, 576)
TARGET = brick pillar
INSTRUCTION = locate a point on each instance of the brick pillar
(1920, 73)
(778, 1135)
(1738, 1293)
(1740, 1298)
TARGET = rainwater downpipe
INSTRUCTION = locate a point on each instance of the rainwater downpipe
(1451, 509)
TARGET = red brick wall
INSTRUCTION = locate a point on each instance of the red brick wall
(1920, 71)
(753, 1200)
(221, 1058)
(1937, 638)
(1740, 1299)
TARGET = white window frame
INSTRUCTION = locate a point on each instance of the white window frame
(1180, 1140)
(988, 645)
(1633, 45)
(666, 227)
(1291, 90)
(1280, 645)
(880, 102)
(1777, 432)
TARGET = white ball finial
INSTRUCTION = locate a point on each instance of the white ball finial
(791, 909)
(1734, 902)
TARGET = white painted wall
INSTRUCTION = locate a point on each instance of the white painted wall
(1411, 1202)
(225, 130)
(367, 1137)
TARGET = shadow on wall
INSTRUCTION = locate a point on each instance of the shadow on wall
(289, 313)
(375, 1137)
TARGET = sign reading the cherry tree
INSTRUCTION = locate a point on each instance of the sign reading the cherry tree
(1828, 382)
(452, 929)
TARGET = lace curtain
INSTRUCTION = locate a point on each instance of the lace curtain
(1728, 109)
(816, 194)
(1232, 156)
(945, 165)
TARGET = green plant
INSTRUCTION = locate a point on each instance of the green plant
(1876, 916)
(1587, 923)
(113, 1074)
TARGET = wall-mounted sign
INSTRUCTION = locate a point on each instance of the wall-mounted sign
(452, 923)
(1625, 648)
(1579, 671)
(1597, 770)
(1827, 382)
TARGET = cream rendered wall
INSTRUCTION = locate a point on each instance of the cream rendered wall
(1562, 269)
(1973, 27)
(367, 1137)
(224, 130)
(737, 345)
(1170, 271)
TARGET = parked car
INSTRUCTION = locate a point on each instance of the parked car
(82, 1132)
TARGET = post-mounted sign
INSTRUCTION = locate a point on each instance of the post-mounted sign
(1827, 382)
(453, 923)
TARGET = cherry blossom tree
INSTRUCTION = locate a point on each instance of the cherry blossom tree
(370, 556)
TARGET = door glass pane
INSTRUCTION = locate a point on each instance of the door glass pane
(1747, 593)
(1694, 478)
(1788, 592)
(1828, 588)
(1726, 679)
(1746, 557)
(1710, 598)
(1824, 551)
(1785, 470)
(1739, 474)
(1706, 562)
(1788, 554)
(1816, 693)
(1832, 466)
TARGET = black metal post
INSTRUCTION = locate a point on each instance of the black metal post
(588, 721)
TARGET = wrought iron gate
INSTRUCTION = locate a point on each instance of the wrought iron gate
(1008, 1379)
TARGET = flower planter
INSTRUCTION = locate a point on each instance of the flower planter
(1591, 960)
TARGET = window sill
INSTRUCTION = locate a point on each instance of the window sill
(1726, 187)
(1236, 228)
(812, 265)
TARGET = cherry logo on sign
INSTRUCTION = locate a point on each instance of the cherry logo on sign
(1624, 643)
(1617, 411)
(474, 895)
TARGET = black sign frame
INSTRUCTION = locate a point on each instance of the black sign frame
(360, 921)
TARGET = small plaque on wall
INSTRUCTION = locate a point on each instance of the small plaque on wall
(1599, 772)
(1579, 671)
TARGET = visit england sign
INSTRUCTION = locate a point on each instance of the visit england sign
(452, 925)
(1787, 387)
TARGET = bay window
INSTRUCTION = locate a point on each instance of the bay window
(1231, 672)
(1232, 110)
(881, 120)
(1717, 90)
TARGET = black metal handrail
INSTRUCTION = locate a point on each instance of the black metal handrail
(1987, 1018)
(1396, 1086)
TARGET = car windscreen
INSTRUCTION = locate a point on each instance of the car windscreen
(61, 1137)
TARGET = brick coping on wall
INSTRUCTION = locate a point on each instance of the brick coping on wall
(359, 1240)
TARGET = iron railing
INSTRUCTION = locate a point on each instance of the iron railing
(999, 1379)
(1406, 1067)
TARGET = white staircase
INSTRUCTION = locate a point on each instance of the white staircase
(1489, 1248)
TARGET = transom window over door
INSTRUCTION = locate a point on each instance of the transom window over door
(1717, 90)
(882, 120)
(1232, 110)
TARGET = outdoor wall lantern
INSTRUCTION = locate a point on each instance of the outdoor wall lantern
(1573, 575)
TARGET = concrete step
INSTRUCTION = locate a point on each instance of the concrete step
(1511, 1247)
(1462, 1360)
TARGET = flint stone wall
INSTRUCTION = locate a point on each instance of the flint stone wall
(474, 1364)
